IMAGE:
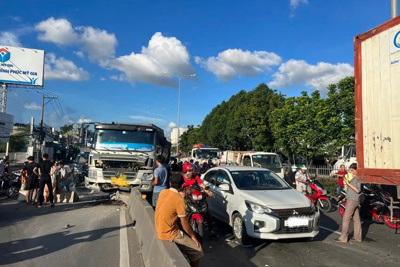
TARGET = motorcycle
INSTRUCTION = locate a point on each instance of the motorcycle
(318, 196)
(196, 208)
(10, 184)
(79, 175)
(376, 206)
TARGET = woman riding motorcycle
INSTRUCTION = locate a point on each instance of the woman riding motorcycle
(191, 179)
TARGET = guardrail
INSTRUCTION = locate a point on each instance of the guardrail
(155, 252)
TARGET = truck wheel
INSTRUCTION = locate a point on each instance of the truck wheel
(239, 229)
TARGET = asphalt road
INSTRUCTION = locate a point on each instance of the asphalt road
(73, 234)
(380, 247)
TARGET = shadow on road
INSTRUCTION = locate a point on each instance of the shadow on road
(30, 248)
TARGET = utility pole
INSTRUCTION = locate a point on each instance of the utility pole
(42, 135)
(394, 8)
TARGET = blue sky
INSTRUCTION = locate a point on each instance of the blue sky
(107, 61)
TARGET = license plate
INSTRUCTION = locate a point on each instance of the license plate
(297, 221)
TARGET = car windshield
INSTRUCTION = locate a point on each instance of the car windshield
(124, 140)
(206, 154)
(266, 161)
(258, 180)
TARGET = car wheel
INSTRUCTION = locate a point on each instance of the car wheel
(239, 229)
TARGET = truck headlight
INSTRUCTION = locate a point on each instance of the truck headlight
(92, 174)
(148, 176)
(257, 208)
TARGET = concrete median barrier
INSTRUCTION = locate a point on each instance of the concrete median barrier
(154, 251)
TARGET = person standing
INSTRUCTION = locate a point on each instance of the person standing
(340, 175)
(30, 179)
(301, 179)
(65, 174)
(55, 177)
(290, 176)
(6, 164)
(352, 208)
(160, 179)
(45, 179)
(170, 207)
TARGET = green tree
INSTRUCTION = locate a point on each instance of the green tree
(19, 141)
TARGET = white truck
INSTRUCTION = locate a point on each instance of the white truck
(202, 154)
(266, 160)
(123, 155)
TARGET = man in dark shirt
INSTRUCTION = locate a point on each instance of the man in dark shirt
(45, 179)
(30, 179)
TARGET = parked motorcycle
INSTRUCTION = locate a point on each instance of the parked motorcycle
(196, 207)
(317, 194)
(10, 184)
(376, 206)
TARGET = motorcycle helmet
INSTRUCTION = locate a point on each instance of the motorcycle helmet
(187, 167)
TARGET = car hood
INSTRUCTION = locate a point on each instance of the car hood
(277, 199)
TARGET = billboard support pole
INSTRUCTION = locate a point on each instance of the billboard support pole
(3, 109)
(4, 99)
(394, 9)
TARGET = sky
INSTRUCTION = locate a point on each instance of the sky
(122, 60)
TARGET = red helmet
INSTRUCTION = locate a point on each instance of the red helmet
(187, 167)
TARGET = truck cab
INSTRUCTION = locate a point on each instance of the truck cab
(123, 155)
(265, 160)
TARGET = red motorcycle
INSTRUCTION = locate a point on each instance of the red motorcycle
(317, 194)
(375, 206)
(196, 207)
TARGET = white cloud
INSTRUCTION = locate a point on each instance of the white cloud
(162, 55)
(82, 119)
(317, 77)
(234, 62)
(147, 119)
(79, 54)
(9, 38)
(63, 69)
(16, 18)
(294, 4)
(102, 79)
(58, 31)
(172, 125)
(32, 106)
(98, 44)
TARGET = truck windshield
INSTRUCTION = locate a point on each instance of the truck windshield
(266, 161)
(206, 154)
(124, 140)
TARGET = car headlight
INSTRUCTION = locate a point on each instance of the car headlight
(148, 176)
(257, 208)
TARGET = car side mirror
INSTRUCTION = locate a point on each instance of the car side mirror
(224, 187)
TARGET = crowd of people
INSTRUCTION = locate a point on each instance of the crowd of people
(43, 179)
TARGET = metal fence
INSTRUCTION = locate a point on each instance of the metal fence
(322, 171)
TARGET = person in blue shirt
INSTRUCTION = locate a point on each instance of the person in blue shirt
(160, 179)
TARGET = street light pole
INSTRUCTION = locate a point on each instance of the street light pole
(179, 111)
(394, 8)
(179, 102)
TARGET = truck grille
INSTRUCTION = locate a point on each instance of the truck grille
(129, 175)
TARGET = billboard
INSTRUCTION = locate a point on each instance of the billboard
(6, 126)
(21, 66)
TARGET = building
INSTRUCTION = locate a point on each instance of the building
(174, 135)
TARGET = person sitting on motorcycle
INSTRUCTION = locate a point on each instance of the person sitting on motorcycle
(191, 179)
(301, 179)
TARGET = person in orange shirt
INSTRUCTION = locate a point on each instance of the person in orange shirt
(171, 206)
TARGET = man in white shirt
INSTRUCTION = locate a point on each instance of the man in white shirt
(65, 174)
(301, 179)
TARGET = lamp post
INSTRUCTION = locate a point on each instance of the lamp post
(179, 102)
